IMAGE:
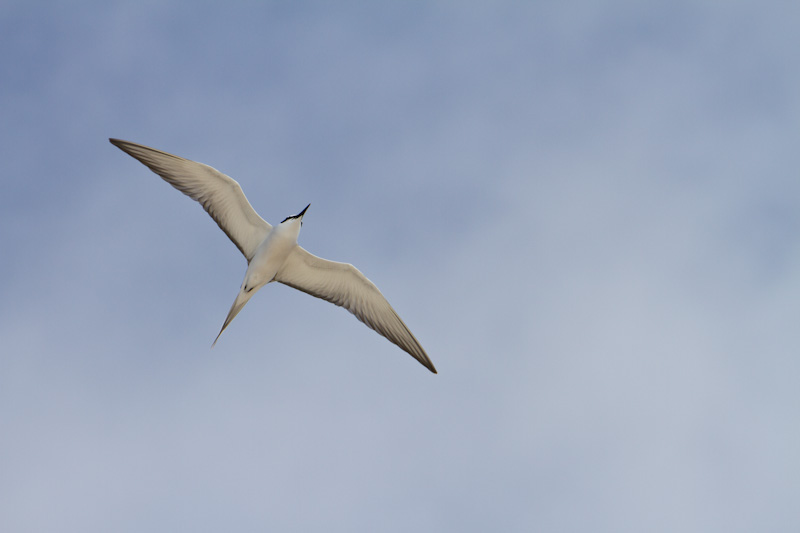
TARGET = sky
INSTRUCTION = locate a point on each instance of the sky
(588, 213)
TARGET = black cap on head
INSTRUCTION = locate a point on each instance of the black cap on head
(299, 215)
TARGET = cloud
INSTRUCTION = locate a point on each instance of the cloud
(585, 215)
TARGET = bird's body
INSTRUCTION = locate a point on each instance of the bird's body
(269, 257)
(272, 253)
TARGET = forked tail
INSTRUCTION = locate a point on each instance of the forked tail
(241, 299)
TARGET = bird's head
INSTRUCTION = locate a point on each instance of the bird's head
(296, 218)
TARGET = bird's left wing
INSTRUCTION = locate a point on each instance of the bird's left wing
(342, 284)
(220, 195)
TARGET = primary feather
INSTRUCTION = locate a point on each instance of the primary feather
(220, 195)
(344, 285)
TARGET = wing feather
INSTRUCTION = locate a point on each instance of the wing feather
(342, 284)
(220, 195)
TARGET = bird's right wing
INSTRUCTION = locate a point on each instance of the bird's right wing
(220, 195)
(342, 284)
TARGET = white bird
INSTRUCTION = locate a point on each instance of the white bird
(272, 253)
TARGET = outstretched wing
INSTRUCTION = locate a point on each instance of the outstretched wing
(342, 284)
(220, 195)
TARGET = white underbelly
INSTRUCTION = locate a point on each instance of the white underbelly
(268, 259)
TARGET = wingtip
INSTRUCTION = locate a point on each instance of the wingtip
(427, 363)
(119, 143)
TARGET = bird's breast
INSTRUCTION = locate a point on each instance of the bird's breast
(269, 258)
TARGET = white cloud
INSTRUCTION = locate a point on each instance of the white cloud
(586, 216)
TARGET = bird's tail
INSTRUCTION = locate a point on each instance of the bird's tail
(241, 299)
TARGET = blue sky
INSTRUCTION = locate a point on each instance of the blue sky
(588, 214)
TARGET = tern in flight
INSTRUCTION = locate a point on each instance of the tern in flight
(272, 253)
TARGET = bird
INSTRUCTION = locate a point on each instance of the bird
(272, 252)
